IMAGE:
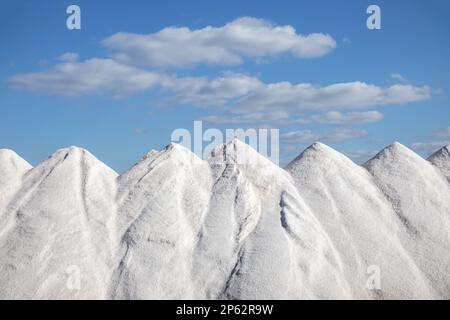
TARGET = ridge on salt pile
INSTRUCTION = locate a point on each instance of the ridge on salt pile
(11, 163)
(267, 242)
(441, 159)
(12, 168)
(418, 193)
(60, 221)
(160, 207)
(234, 226)
(359, 221)
(233, 245)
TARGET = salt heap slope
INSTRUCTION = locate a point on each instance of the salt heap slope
(12, 168)
(57, 230)
(360, 223)
(161, 202)
(234, 226)
(419, 195)
(259, 240)
(223, 228)
(441, 159)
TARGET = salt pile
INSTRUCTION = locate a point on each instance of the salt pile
(234, 226)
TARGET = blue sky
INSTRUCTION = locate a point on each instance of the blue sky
(310, 68)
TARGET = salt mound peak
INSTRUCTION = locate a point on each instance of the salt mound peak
(152, 153)
(72, 150)
(237, 152)
(395, 151)
(173, 151)
(178, 152)
(442, 152)
(441, 160)
(147, 158)
(10, 160)
(319, 147)
(65, 153)
(396, 148)
(170, 148)
(320, 152)
(7, 152)
(74, 156)
(176, 148)
(235, 144)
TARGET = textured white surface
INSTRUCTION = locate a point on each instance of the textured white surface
(12, 168)
(61, 220)
(441, 159)
(234, 226)
(361, 223)
(420, 196)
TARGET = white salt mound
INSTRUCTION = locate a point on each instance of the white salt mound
(234, 226)
(441, 159)
(12, 168)
(419, 195)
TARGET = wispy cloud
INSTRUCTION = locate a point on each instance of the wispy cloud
(444, 133)
(346, 41)
(206, 92)
(360, 156)
(237, 98)
(246, 98)
(429, 147)
(309, 136)
(245, 37)
(69, 57)
(285, 118)
(336, 117)
(278, 117)
(438, 140)
(350, 95)
(398, 77)
(93, 75)
(138, 131)
(250, 94)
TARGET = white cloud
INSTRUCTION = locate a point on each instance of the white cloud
(444, 133)
(247, 98)
(279, 117)
(243, 99)
(432, 146)
(336, 117)
(246, 37)
(360, 156)
(205, 92)
(398, 77)
(306, 97)
(69, 57)
(335, 135)
(285, 118)
(429, 146)
(107, 75)
(93, 75)
(251, 101)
